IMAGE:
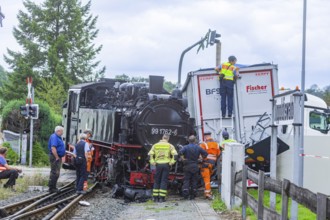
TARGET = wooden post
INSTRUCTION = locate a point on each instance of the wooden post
(232, 190)
(261, 181)
(244, 191)
(321, 208)
(285, 199)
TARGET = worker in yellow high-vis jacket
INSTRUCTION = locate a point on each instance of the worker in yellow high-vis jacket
(228, 74)
(162, 155)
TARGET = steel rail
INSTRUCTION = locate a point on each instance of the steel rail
(42, 212)
(68, 211)
(23, 206)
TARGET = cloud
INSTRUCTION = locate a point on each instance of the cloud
(147, 37)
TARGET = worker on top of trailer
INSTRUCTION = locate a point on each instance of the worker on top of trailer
(162, 155)
(213, 150)
(228, 74)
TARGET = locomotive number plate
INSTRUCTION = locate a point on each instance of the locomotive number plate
(161, 131)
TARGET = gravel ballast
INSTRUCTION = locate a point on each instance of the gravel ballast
(102, 206)
(18, 198)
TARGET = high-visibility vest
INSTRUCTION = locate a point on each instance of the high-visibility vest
(212, 148)
(227, 69)
(89, 156)
(2, 168)
(162, 152)
(227, 141)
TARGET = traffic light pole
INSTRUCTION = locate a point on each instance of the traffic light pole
(31, 97)
(31, 141)
(210, 39)
(30, 111)
(181, 59)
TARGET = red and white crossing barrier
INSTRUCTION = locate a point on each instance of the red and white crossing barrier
(314, 156)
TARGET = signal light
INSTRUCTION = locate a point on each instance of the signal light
(24, 111)
(31, 111)
(213, 38)
(34, 111)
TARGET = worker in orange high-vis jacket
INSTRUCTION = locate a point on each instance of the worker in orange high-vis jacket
(90, 153)
(213, 150)
(89, 134)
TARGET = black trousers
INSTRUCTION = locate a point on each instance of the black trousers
(161, 180)
(55, 167)
(190, 179)
(11, 175)
(81, 171)
(227, 96)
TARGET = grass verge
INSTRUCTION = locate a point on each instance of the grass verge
(217, 204)
(22, 185)
(303, 212)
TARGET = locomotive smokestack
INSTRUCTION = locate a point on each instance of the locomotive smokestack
(156, 84)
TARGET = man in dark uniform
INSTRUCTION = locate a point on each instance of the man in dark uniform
(191, 154)
(81, 153)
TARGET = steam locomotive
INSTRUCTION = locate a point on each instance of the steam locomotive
(126, 119)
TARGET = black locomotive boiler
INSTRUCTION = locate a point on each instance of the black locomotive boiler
(126, 119)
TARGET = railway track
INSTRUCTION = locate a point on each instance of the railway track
(59, 205)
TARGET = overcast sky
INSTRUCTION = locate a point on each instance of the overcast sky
(144, 37)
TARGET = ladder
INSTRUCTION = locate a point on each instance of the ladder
(227, 124)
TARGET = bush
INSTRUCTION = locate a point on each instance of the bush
(39, 156)
(12, 156)
(43, 127)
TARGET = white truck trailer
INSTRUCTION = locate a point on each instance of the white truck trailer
(251, 121)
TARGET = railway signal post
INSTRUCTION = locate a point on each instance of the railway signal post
(30, 111)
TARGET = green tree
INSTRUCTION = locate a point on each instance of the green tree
(57, 40)
(3, 75)
(139, 79)
(123, 77)
(326, 95)
(52, 92)
(169, 86)
(315, 90)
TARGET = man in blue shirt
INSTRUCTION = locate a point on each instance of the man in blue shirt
(191, 154)
(56, 152)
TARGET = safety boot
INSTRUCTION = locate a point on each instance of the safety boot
(161, 199)
(209, 196)
(185, 194)
(155, 199)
